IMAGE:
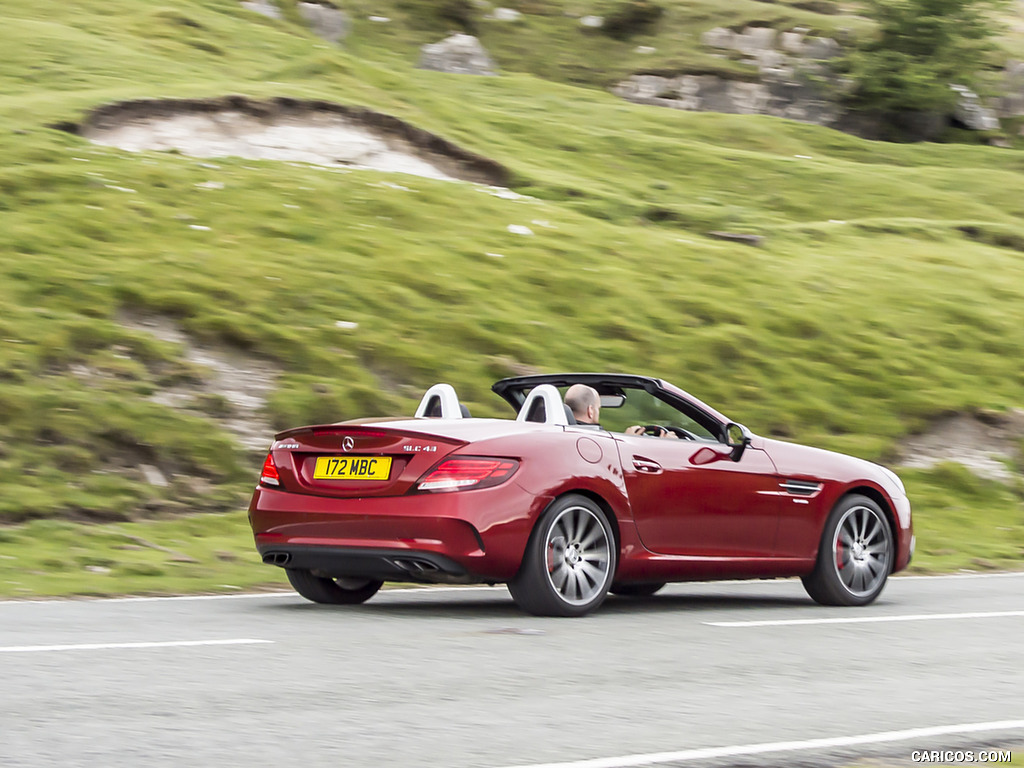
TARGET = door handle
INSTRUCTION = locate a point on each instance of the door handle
(646, 465)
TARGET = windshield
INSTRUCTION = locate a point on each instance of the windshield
(641, 408)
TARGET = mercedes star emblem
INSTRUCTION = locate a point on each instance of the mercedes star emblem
(348, 443)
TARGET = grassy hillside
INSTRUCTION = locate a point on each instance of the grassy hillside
(889, 290)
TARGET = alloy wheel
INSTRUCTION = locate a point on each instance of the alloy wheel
(577, 555)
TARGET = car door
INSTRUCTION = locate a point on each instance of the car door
(689, 498)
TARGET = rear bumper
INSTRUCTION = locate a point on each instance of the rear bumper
(364, 562)
(465, 536)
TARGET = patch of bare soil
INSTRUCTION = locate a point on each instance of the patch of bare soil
(988, 443)
(314, 132)
(244, 382)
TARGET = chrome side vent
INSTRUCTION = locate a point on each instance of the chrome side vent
(801, 487)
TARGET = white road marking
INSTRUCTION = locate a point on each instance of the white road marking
(686, 755)
(1001, 575)
(115, 646)
(865, 619)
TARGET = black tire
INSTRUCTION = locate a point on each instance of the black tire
(855, 556)
(636, 590)
(347, 591)
(569, 561)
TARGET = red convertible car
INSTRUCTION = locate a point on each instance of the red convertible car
(564, 512)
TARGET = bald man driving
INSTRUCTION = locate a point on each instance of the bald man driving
(585, 404)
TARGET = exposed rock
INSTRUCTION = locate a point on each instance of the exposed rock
(458, 54)
(770, 59)
(315, 132)
(325, 20)
(970, 111)
(265, 7)
(754, 39)
(792, 42)
(988, 444)
(821, 48)
(719, 37)
(645, 49)
(592, 22)
(780, 94)
(505, 14)
(153, 475)
(797, 81)
(755, 240)
(1011, 103)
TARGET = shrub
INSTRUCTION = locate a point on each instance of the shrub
(631, 18)
(459, 12)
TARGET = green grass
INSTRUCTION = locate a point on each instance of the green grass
(548, 40)
(888, 291)
(209, 553)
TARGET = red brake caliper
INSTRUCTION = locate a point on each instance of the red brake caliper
(839, 554)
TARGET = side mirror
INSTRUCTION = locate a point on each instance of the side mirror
(737, 437)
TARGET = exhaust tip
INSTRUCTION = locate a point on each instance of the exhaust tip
(415, 567)
(277, 558)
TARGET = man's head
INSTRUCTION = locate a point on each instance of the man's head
(584, 402)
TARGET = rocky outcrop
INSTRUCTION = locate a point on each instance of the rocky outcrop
(325, 20)
(263, 7)
(1011, 103)
(971, 113)
(505, 14)
(795, 80)
(782, 97)
(458, 54)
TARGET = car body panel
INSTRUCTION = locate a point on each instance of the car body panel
(687, 502)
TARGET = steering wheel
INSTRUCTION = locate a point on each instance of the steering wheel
(656, 430)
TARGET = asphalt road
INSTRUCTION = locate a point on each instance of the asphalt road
(459, 677)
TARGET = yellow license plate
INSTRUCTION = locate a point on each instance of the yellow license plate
(352, 468)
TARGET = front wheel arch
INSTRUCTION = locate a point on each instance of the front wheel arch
(824, 584)
(879, 498)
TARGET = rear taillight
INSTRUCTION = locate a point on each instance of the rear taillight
(463, 474)
(269, 475)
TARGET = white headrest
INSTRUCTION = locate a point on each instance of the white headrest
(445, 395)
(550, 401)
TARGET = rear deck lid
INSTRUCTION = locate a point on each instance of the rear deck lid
(354, 460)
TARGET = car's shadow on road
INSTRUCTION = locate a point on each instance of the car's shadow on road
(499, 605)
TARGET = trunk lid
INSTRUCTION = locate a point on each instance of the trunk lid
(347, 461)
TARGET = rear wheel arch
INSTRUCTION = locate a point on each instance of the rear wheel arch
(605, 507)
(535, 589)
